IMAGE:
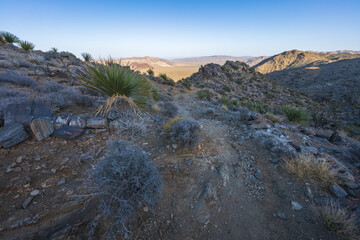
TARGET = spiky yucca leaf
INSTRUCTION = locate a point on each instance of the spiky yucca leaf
(116, 82)
(87, 57)
(27, 46)
(9, 37)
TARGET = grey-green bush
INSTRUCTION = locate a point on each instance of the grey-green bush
(126, 179)
(186, 133)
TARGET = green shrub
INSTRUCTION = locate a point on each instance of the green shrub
(225, 68)
(150, 71)
(27, 46)
(54, 49)
(226, 88)
(167, 80)
(296, 115)
(204, 94)
(87, 57)
(116, 82)
(225, 101)
(235, 67)
(186, 83)
(9, 37)
(155, 93)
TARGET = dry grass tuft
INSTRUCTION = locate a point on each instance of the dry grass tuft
(339, 220)
(168, 125)
(308, 168)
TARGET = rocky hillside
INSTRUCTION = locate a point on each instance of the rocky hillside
(299, 59)
(330, 78)
(198, 164)
(242, 85)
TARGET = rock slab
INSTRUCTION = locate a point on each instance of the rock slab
(97, 122)
(42, 128)
(12, 134)
(68, 132)
(338, 191)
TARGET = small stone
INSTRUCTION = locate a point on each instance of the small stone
(34, 192)
(19, 159)
(77, 121)
(37, 158)
(274, 160)
(61, 181)
(17, 169)
(296, 206)
(338, 191)
(258, 174)
(27, 202)
(146, 209)
(53, 170)
(281, 215)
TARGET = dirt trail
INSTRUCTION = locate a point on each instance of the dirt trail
(207, 194)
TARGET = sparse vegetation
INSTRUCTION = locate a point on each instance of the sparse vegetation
(27, 46)
(169, 123)
(2, 40)
(296, 115)
(204, 94)
(273, 118)
(169, 109)
(10, 38)
(155, 93)
(18, 79)
(150, 71)
(167, 80)
(117, 82)
(125, 179)
(129, 125)
(87, 57)
(308, 168)
(339, 220)
(54, 49)
(185, 133)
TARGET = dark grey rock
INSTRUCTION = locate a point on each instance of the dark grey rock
(27, 111)
(42, 128)
(27, 202)
(97, 122)
(61, 181)
(352, 184)
(338, 191)
(68, 132)
(323, 201)
(281, 215)
(322, 133)
(12, 134)
(258, 174)
(335, 138)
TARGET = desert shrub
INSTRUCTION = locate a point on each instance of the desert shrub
(54, 49)
(273, 143)
(117, 82)
(23, 63)
(308, 168)
(297, 115)
(168, 125)
(9, 37)
(167, 80)
(87, 57)
(225, 68)
(169, 109)
(36, 58)
(5, 93)
(339, 220)
(234, 66)
(68, 97)
(50, 87)
(2, 40)
(27, 46)
(150, 71)
(204, 94)
(186, 83)
(126, 179)
(273, 118)
(129, 125)
(225, 101)
(226, 88)
(17, 79)
(186, 133)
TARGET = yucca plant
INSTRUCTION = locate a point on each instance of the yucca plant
(54, 49)
(87, 57)
(150, 71)
(27, 46)
(10, 38)
(116, 82)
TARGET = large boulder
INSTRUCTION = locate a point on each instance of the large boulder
(12, 134)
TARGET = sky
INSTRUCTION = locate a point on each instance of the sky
(175, 29)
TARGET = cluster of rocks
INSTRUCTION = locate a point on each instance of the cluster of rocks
(35, 118)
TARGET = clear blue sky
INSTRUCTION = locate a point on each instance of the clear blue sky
(184, 28)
